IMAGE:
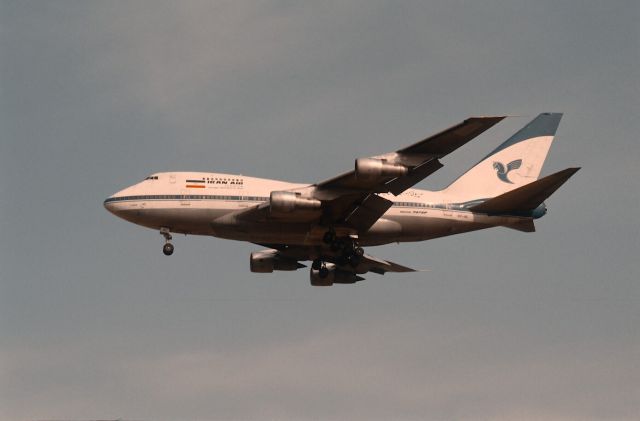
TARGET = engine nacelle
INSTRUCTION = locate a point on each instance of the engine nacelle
(333, 276)
(371, 168)
(283, 202)
(319, 281)
(267, 261)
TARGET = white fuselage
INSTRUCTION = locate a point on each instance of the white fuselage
(196, 202)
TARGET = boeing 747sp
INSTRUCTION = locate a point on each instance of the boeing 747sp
(329, 223)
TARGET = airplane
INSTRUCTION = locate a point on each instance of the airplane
(329, 223)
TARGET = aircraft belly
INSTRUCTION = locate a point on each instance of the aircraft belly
(393, 227)
(265, 232)
(420, 227)
(180, 220)
(200, 221)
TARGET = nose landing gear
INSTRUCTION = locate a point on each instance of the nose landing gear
(167, 249)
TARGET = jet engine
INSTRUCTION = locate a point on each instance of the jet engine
(267, 261)
(330, 275)
(283, 202)
(371, 168)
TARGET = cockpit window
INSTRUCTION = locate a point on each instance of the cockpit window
(152, 177)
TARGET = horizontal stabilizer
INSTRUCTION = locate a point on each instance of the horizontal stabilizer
(527, 197)
(525, 225)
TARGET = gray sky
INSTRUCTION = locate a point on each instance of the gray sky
(96, 323)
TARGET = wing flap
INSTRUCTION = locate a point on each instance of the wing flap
(368, 212)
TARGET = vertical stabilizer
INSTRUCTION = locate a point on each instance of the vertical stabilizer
(515, 163)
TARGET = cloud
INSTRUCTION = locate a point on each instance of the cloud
(394, 369)
(383, 373)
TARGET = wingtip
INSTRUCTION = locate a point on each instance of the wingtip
(571, 170)
(516, 115)
(408, 270)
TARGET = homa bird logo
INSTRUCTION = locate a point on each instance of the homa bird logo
(503, 173)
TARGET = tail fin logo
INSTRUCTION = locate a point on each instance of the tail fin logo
(503, 173)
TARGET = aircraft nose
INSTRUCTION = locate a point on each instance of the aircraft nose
(109, 204)
(113, 203)
(117, 203)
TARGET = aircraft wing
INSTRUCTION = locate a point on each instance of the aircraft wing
(351, 199)
(419, 159)
(368, 263)
(380, 266)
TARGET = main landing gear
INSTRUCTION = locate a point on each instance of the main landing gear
(167, 249)
(348, 250)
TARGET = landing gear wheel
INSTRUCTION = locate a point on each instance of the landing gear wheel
(358, 251)
(167, 249)
(323, 272)
(317, 264)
